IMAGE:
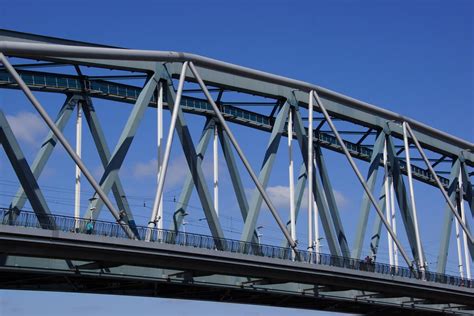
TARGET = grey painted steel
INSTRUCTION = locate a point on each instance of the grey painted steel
(194, 164)
(377, 226)
(242, 157)
(361, 179)
(184, 197)
(127, 93)
(17, 241)
(299, 193)
(169, 142)
(115, 161)
(45, 152)
(326, 219)
(233, 172)
(331, 200)
(23, 172)
(236, 180)
(64, 142)
(448, 219)
(421, 258)
(468, 189)
(104, 154)
(365, 206)
(406, 209)
(34, 49)
(438, 182)
(265, 172)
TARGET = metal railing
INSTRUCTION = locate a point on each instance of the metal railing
(113, 229)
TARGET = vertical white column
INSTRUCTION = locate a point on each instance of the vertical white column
(412, 198)
(166, 156)
(467, 257)
(388, 212)
(77, 194)
(216, 170)
(394, 220)
(317, 239)
(291, 177)
(310, 172)
(459, 247)
(159, 141)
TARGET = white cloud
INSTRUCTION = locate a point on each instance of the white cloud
(280, 197)
(176, 174)
(341, 200)
(27, 127)
(145, 169)
(177, 170)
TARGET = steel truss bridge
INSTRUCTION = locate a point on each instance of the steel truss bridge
(41, 250)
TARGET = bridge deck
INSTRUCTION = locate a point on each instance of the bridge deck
(105, 246)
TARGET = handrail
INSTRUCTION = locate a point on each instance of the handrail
(113, 229)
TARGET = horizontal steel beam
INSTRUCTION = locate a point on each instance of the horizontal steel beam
(429, 135)
(62, 83)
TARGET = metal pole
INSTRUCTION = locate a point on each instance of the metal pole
(421, 262)
(467, 258)
(361, 178)
(317, 239)
(65, 143)
(291, 177)
(77, 193)
(159, 148)
(242, 157)
(166, 157)
(216, 169)
(388, 211)
(310, 173)
(158, 202)
(438, 182)
(458, 244)
(394, 223)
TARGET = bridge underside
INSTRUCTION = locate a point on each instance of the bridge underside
(96, 282)
(37, 259)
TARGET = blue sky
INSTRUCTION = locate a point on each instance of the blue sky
(412, 57)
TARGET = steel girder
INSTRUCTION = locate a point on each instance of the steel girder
(24, 174)
(126, 93)
(299, 192)
(324, 212)
(405, 207)
(453, 192)
(331, 201)
(265, 171)
(116, 159)
(448, 218)
(226, 76)
(183, 200)
(193, 161)
(44, 153)
(144, 256)
(109, 273)
(365, 207)
(339, 107)
(104, 153)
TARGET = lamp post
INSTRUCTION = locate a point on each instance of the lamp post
(259, 234)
